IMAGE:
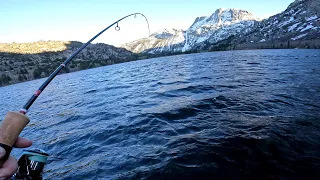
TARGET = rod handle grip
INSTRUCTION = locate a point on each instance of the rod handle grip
(10, 129)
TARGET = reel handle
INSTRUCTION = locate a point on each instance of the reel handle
(10, 129)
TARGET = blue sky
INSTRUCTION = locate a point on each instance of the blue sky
(33, 20)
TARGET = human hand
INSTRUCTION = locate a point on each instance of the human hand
(10, 166)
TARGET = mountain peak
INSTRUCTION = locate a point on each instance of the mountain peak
(222, 16)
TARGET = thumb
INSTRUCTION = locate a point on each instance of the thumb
(2, 152)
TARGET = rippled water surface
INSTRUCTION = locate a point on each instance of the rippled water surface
(222, 115)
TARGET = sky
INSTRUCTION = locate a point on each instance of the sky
(80, 20)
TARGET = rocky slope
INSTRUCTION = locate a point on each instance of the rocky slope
(159, 42)
(26, 61)
(220, 25)
(296, 27)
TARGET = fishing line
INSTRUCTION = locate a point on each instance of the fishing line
(26, 107)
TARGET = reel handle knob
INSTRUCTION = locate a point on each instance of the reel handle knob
(10, 129)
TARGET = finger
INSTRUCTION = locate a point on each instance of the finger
(2, 153)
(8, 168)
(22, 143)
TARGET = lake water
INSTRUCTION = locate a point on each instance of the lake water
(221, 115)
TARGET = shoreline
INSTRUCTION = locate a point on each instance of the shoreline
(145, 57)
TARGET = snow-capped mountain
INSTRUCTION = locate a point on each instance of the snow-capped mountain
(299, 22)
(220, 25)
(160, 41)
(226, 29)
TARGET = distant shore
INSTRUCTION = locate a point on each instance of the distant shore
(21, 73)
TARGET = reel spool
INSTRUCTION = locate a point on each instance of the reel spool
(31, 165)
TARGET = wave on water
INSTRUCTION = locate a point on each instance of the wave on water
(222, 115)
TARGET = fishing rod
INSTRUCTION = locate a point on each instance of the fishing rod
(26, 107)
(15, 122)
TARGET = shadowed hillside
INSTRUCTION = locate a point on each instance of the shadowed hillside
(27, 61)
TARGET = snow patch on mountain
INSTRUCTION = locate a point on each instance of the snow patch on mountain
(306, 28)
(312, 18)
(291, 28)
(298, 37)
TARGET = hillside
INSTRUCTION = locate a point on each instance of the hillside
(27, 61)
(296, 27)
